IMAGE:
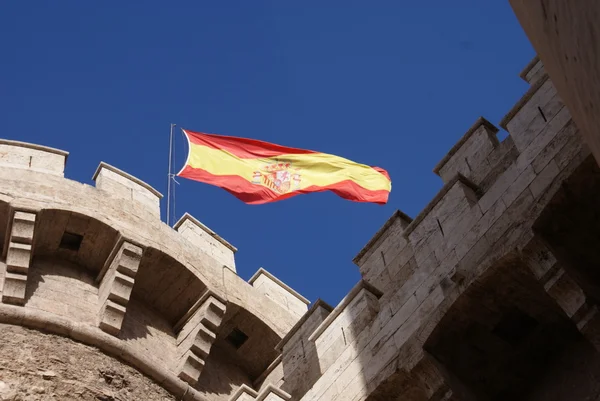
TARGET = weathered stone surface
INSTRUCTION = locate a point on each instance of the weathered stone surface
(116, 285)
(36, 366)
(504, 258)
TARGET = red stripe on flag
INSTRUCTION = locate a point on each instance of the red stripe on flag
(243, 148)
(254, 194)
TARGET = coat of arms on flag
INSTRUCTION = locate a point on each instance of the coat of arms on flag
(278, 176)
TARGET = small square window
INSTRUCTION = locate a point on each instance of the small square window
(237, 338)
(70, 241)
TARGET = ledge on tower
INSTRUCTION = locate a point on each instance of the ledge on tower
(531, 92)
(398, 219)
(33, 157)
(122, 185)
(533, 71)
(317, 313)
(469, 156)
(364, 297)
(206, 239)
(279, 292)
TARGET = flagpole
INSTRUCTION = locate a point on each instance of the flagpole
(170, 176)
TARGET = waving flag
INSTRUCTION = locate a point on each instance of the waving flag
(260, 172)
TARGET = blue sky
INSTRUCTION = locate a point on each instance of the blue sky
(387, 83)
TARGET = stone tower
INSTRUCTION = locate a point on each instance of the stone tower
(490, 293)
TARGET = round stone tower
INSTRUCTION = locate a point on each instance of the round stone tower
(102, 300)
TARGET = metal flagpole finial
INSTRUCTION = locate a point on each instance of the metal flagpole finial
(170, 175)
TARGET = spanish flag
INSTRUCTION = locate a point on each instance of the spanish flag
(258, 172)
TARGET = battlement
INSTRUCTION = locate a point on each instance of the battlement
(488, 252)
(471, 155)
(205, 238)
(98, 265)
(279, 292)
(122, 185)
(43, 159)
(533, 71)
(414, 271)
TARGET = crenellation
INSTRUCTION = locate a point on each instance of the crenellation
(434, 232)
(125, 186)
(533, 71)
(42, 159)
(469, 156)
(206, 239)
(513, 228)
(535, 110)
(386, 253)
(275, 289)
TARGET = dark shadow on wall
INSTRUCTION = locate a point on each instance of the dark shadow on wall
(244, 348)
(221, 375)
(570, 227)
(505, 339)
(62, 287)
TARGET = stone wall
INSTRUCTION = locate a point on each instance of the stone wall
(490, 293)
(38, 366)
(97, 265)
(425, 280)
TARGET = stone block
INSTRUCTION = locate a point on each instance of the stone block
(386, 249)
(443, 218)
(203, 342)
(22, 228)
(546, 113)
(116, 281)
(197, 335)
(317, 313)
(42, 159)
(544, 179)
(189, 368)
(518, 186)
(555, 146)
(125, 186)
(111, 317)
(525, 110)
(18, 258)
(469, 157)
(14, 288)
(206, 240)
(511, 216)
(533, 71)
(362, 290)
(121, 288)
(275, 289)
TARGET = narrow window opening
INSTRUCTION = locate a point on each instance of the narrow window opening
(440, 226)
(542, 113)
(30, 160)
(344, 335)
(383, 258)
(70, 241)
(237, 338)
(468, 165)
